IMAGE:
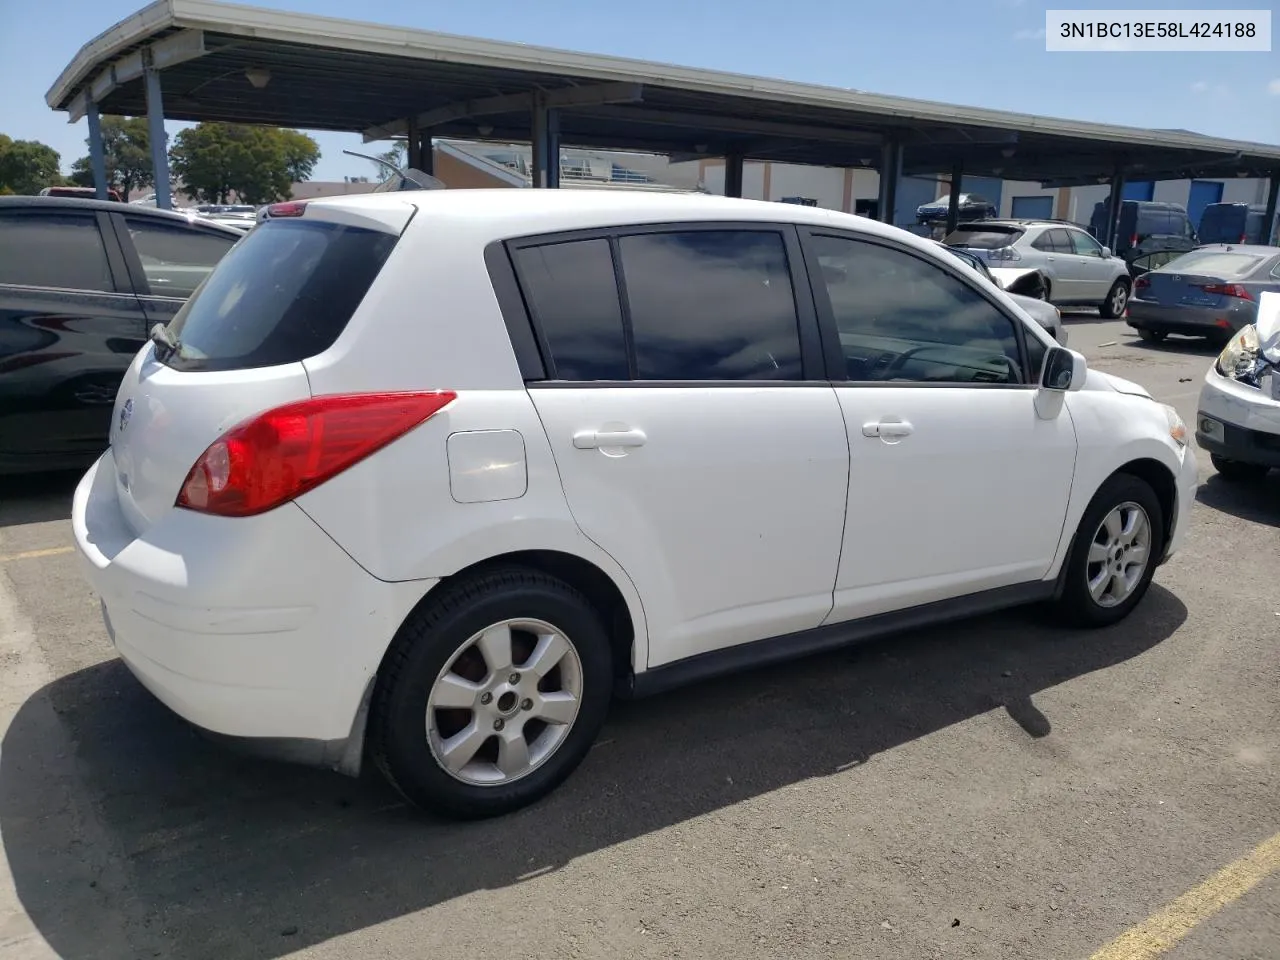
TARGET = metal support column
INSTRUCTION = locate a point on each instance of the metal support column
(159, 143)
(413, 144)
(890, 173)
(426, 154)
(97, 156)
(1269, 233)
(733, 164)
(546, 144)
(1113, 210)
(953, 200)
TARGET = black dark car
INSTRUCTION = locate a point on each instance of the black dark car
(81, 284)
(972, 207)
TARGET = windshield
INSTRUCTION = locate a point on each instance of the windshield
(1217, 263)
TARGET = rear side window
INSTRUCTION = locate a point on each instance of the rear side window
(59, 250)
(175, 259)
(982, 238)
(572, 293)
(282, 295)
(711, 305)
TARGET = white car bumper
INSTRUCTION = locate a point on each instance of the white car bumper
(1238, 422)
(1187, 483)
(258, 627)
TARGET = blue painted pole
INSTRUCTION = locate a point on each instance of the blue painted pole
(159, 146)
(97, 156)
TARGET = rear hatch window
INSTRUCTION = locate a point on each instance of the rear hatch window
(1223, 223)
(983, 238)
(282, 295)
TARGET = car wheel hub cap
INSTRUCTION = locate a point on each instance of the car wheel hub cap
(1118, 554)
(504, 703)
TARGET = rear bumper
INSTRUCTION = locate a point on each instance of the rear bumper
(1196, 320)
(259, 628)
(1238, 422)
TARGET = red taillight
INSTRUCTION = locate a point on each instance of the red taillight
(1133, 241)
(279, 455)
(1227, 290)
(1142, 283)
(290, 208)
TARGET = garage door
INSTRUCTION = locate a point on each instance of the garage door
(1032, 208)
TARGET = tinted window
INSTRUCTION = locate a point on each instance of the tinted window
(1036, 350)
(983, 238)
(711, 305)
(282, 295)
(61, 250)
(174, 258)
(900, 317)
(976, 262)
(573, 295)
(1084, 244)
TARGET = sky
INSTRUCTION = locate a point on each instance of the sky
(988, 53)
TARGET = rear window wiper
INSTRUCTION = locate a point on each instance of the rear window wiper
(164, 341)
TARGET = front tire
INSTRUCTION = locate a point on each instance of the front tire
(1117, 300)
(1237, 472)
(491, 694)
(1114, 553)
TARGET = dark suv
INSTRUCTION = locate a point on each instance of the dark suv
(81, 283)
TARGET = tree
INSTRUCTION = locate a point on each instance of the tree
(257, 164)
(126, 149)
(398, 155)
(27, 166)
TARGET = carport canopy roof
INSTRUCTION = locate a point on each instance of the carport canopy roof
(323, 73)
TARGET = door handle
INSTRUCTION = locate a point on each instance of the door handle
(592, 439)
(888, 429)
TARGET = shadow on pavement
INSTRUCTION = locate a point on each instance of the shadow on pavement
(1258, 502)
(1187, 346)
(36, 497)
(207, 854)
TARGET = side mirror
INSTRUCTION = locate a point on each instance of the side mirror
(1064, 370)
(1106, 253)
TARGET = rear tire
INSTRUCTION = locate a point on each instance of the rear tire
(1151, 336)
(1236, 472)
(1117, 300)
(450, 650)
(1106, 552)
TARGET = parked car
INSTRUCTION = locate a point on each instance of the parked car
(469, 462)
(1239, 411)
(1236, 223)
(972, 207)
(1210, 292)
(1076, 269)
(1041, 311)
(81, 282)
(1146, 226)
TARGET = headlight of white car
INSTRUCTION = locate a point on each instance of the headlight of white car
(1239, 358)
(1177, 429)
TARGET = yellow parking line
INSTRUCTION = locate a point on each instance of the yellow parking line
(32, 554)
(1160, 932)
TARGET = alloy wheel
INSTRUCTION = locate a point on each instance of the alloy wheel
(1119, 554)
(504, 703)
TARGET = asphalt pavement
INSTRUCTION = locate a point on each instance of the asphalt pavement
(995, 788)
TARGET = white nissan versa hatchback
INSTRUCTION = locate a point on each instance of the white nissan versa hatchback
(428, 477)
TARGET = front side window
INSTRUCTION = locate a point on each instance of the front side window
(572, 293)
(59, 250)
(175, 259)
(711, 305)
(902, 318)
(1085, 245)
